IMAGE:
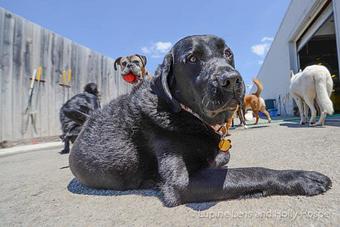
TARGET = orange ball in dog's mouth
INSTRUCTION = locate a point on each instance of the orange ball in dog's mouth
(130, 78)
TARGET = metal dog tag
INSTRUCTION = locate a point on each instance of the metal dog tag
(225, 145)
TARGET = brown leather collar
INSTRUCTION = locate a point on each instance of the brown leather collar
(225, 144)
(218, 128)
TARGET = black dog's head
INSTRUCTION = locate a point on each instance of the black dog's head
(91, 88)
(199, 73)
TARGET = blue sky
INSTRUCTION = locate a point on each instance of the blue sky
(150, 27)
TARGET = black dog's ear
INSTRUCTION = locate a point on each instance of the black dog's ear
(164, 80)
(143, 58)
(117, 62)
(230, 56)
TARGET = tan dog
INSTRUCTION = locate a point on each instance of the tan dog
(230, 121)
(133, 68)
(256, 103)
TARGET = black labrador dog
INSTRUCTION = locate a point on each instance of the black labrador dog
(74, 113)
(146, 138)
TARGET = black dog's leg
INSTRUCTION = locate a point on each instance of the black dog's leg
(75, 115)
(66, 149)
(222, 184)
(174, 178)
(221, 159)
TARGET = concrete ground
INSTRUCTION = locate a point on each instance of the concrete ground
(38, 189)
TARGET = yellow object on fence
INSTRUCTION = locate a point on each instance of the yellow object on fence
(66, 78)
(39, 73)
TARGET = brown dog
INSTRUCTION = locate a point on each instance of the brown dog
(256, 103)
(133, 68)
(230, 122)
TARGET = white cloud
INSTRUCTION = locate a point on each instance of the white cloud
(163, 47)
(157, 49)
(145, 50)
(260, 62)
(266, 38)
(262, 48)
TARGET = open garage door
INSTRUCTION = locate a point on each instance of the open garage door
(319, 47)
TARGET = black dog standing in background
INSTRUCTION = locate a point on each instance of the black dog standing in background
(74, 113)
(148, 136)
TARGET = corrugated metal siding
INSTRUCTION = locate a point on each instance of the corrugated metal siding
(24, 47)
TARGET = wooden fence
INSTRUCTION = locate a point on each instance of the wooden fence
(24, 47)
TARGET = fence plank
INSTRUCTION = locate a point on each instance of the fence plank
(2, 21)
(25, 46)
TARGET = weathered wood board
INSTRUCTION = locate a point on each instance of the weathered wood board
(25, 46)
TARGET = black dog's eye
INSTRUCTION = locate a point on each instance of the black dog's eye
(192, 59)
(230, 56)
(124, 63)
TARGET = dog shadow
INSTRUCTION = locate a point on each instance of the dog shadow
(293, 125)
(78, 188)
(252, 126)
(296, 124)
(249, 126)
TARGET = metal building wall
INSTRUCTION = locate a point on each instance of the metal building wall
(25, 46)
(282, 56)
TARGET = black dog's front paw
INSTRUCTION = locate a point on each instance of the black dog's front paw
(171, 197)
(313, 183)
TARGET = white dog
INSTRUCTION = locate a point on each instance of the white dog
(314, 83)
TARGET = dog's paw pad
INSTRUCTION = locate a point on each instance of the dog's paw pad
(314, 183)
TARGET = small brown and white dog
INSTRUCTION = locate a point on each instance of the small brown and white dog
(256, 103)
(133, 68)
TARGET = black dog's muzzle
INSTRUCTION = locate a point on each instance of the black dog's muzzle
(225, 88)
(230, 81)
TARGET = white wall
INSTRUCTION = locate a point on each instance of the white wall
(281, 58)
(336, 10)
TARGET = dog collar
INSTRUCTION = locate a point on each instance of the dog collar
(225, 144)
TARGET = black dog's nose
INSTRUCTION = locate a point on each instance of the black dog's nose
(231, 80)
